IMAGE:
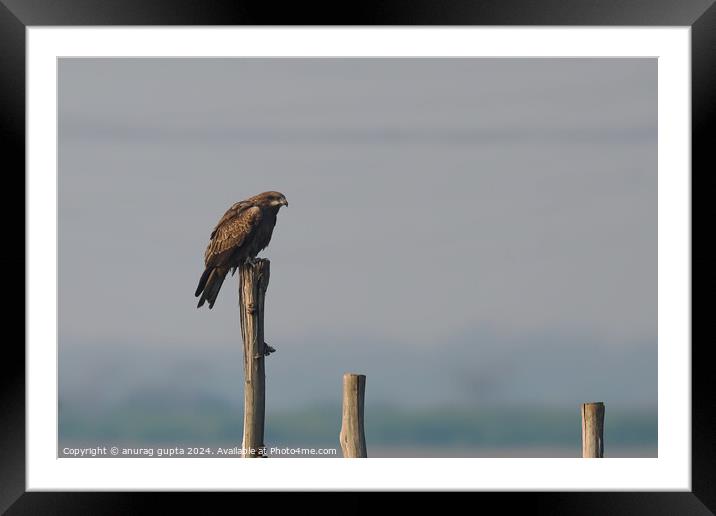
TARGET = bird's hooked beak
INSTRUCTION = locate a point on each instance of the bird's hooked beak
(284, 202)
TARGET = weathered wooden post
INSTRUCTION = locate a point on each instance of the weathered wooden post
(352, 436)
(593, 430)
(253, 282)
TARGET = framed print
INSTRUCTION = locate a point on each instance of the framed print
(456, 242)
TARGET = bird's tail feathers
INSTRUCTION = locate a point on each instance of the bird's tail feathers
(202, 281)
(212, 285)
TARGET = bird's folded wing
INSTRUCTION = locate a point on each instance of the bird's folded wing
(235, 227)
(230, 214)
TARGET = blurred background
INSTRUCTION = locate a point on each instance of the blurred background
(477, 236)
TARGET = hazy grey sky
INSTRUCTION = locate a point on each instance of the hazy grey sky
(458, 229)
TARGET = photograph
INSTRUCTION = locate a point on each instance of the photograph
(454, 245)
(357, 257)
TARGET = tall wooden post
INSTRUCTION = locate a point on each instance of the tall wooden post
(253, 282)
(593, 430)
(352, 436)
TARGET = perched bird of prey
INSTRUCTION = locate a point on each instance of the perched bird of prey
(243, 231)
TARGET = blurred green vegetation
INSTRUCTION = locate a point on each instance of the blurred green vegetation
(209, 421)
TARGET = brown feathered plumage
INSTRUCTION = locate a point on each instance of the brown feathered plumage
(243, 231)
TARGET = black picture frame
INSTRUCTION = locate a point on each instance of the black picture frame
(16, 15)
